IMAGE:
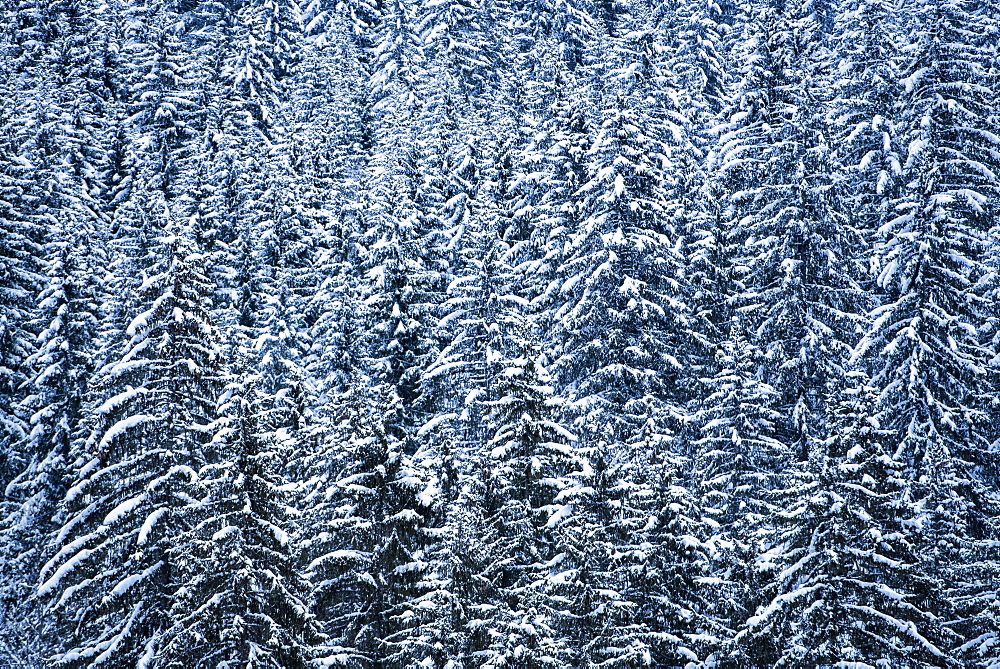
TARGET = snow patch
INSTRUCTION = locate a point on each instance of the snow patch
(123, 509)
(67, 567)
(123, 426)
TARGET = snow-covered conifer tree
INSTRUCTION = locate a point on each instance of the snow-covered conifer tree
(239, 601)
(925, 347)
(54, 407)
(784, 219)
(737, 456)
(528, 482)
(620, 325)
(109, 583)
(843, 580)
(371, 530)
(866, 85)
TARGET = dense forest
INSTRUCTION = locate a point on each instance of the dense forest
(521, 334)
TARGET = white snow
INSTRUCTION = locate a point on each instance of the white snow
(122, 426)
(122, 397)
(68, 566)
(123, 509)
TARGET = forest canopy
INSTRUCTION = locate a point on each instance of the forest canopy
(499, 334)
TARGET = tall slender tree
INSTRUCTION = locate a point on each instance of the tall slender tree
(239, 600)
(844, 578)
(109, 584)
(785, 219)
(925, 346)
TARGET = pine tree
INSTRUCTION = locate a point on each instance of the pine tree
(337, 326)
(461, 382)
(974, 596)
(695, 32)
(239, 600)
(287, 234)
(60, 370)
(460, 40)
(657, 555)
(736, 460)
(397, 52)
(551, 36)
(109, 584)
(367, 547)
(328, 121)
(784, 219)
(259, 55)
(924, 344)
(548, 172)
(844, 580)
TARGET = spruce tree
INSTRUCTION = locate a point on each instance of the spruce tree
(620, 325)
(239, 601)
(367, 561)
(61, 368)
(525, 483)
(109, 584)
(925, 348)
(21, 237)
(785, 226)
(737, 457)
(844, 578)
(865, 91)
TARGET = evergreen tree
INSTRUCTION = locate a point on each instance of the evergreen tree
(737, 458)
(844, 579)
(397, 51)
(924, 345)
(784, 219)
(866, 90)
(658, 553)
(974, 595)
(368, 561)
(527, 490)
(460, 39)
(620, 327)
(548, 173)
(239, 601)
(161, 103)
(109, 584)
(696, 32)
(21, 236)
(401, 280)
(61, 367)
(461, 382)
